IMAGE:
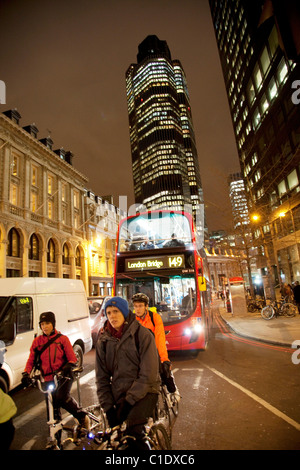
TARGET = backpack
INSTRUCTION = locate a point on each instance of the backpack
(152, 317)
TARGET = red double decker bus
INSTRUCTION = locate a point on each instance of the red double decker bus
(157, 254)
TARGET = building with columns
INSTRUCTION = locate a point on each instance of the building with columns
(48, 218)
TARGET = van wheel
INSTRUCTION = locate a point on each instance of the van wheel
(79, 354)
(3, 384)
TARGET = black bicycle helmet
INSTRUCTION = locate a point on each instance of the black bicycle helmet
(140, 297)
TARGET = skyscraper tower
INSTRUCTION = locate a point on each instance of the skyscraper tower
(164, 156)
(238, 199)
(259, 48)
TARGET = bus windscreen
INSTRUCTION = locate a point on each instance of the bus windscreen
(154, 231)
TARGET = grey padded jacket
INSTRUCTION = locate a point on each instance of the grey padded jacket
(127, 367)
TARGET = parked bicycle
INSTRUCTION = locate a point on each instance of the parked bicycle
(254, 305)
(117, 439)
(67, 430)
(278, 308)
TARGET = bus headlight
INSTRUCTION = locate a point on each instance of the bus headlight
(196, 329)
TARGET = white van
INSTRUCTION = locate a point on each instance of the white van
(22, 300)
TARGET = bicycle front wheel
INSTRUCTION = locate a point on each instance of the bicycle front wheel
(251, 308)
(267, 312)
(175, 404)
(158, 437)
(288, 309)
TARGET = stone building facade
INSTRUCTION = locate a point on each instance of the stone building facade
(47, 215)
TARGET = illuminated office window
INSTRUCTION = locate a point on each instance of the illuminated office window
(50, 210)
(282, 71)
(51, 251)
(282, 188)
(293, 180)
(265, 60)
(33, 247)
(33, 201)
(250, 91)
(50, 184)
(14, 194)
(256, 117)
(76, 199)
(272, 89)
(257, 77)
(13, 245)
(15, 167)
(34, 175)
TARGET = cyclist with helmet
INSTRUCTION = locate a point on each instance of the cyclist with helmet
(152, 321)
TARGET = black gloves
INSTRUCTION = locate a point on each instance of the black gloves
(26, 380)
(123, 411)
(111, 416)
(117, 415)
(167, 376)
(67, 369)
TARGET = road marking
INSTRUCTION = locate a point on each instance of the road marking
(196, 384)
(261, 401)
(197, 381)
(29, 444)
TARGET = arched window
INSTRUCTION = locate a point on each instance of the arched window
(34, 247)
(51, 251)
(78, 258)
(13, 247)
(65, 256)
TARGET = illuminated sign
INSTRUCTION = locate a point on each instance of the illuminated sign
(157, 262)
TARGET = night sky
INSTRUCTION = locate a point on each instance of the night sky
(64, 64)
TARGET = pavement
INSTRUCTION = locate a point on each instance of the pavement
(280, 330)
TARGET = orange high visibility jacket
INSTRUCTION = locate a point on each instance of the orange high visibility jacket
(159, 333)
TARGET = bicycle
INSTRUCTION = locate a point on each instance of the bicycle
(75, 434)
(167, 408)
(117, 439)
(255, 305)
(278, 308)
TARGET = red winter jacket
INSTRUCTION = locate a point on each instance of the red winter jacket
(54, 357)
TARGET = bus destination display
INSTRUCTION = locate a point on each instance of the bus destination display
(157, 262)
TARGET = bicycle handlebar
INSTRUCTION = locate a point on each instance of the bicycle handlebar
(111, 435)
(37, 380)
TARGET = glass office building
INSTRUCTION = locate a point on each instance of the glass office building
(259, 47)
(164, 156)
